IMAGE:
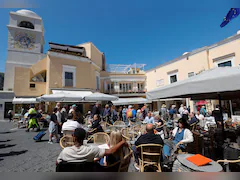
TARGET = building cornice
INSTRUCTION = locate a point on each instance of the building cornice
(72, 57)
(24, 29)
(28, 16)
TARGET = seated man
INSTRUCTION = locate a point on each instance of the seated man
(96, 124)
(70, 125)
(149, 119)
(193, 118)
(148, 138)
(84, 153)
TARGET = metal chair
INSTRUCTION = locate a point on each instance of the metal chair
(67, 139)
(150, 155)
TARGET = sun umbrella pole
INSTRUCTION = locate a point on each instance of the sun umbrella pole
(221, 112)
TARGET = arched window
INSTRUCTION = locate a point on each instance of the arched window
(26, 24)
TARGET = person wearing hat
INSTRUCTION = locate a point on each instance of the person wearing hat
(73, 112)
(32, 114)
(181, 135)
(81, 152)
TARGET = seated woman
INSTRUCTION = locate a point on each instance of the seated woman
(180, 136)
(96, 124)
(115, 138)
(159, 126)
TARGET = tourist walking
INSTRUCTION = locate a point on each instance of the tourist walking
(53, 127)
(10, 115)
(32, 113)
(124, 115)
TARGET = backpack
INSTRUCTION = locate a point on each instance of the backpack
(129, 114)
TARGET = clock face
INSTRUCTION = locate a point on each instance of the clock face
(24, 41)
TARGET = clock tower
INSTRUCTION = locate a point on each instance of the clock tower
(25, 43)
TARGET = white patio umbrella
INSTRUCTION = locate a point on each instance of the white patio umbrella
(60, 97)
(24, 100)
(128, 101)
(100, 97)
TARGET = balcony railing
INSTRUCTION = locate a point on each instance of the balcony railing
(124, 92)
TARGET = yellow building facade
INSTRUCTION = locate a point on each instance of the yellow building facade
(223, 53)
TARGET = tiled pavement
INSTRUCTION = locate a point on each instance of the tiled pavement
(20, 153)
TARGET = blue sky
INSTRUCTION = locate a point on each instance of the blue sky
(129, 31)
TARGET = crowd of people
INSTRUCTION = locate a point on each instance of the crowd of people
(160, 129)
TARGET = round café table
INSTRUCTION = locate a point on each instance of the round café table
(183, 165)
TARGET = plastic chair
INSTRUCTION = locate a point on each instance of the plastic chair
(150, 155)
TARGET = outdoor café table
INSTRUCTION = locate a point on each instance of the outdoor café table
(183, 165)
(119, 127)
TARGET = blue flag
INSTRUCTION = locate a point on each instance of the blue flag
(233, 13)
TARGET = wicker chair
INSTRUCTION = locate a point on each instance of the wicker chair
(137, 128)
(128, 134)
(228, 162)
(100, 138)
(67, 139)
(119, 123)
(121, 165)
(92, 131)
(143, 129)
(193, 126)
(150, 155)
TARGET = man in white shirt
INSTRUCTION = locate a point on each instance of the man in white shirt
(180, 110)
(85, 153)
(70, 125)
(149, 119)
(199, 116)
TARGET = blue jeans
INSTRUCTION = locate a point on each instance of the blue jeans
(167, 149)
(125, 119)
(136, 154)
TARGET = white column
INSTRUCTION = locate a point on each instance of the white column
(187, 103)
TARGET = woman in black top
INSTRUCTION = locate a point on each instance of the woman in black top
(96, 124)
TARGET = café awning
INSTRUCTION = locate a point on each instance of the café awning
(209, 84)
(131, 101)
